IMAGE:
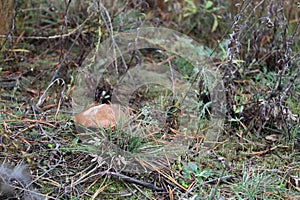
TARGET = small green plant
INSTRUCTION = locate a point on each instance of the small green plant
(208, 8)
(192, 169)
(258, 185)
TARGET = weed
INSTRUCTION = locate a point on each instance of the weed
(258, 185)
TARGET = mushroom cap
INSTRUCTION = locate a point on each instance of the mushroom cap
(104, 115)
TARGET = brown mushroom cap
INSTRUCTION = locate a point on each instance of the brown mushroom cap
(104, 115)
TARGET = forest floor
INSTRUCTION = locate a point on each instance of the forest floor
(168, 146)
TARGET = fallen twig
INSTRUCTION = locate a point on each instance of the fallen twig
(133, 180)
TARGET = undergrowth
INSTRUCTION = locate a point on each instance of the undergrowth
(253, 44)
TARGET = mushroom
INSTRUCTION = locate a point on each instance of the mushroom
(104, 115)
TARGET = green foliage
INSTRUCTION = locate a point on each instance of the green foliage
(191, 10)
(185, 68)
(258, 185)
(192, 170)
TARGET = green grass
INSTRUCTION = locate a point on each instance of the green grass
(258, 185)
